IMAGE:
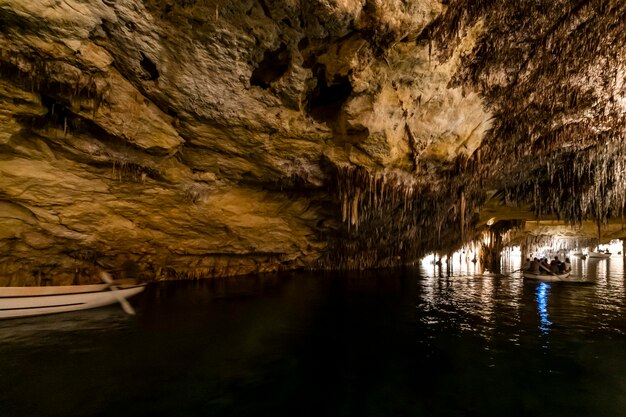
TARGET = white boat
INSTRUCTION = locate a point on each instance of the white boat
(31, 301)
(600, 255)
(546, 276)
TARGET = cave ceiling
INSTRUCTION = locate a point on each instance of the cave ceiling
(206, 138)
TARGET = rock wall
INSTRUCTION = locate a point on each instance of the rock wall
(201, 138)
(197, 138)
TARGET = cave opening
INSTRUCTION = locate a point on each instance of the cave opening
(272, 67)
(327, 98)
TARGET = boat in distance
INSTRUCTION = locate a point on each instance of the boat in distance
(32, 301)
(599, 255)
(546, 276)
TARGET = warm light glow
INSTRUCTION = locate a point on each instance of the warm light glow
(462, 262)
(428, 259)
(614, 247)
(550, 252)
(512, 251)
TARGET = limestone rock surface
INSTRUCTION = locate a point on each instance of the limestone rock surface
(206, 138)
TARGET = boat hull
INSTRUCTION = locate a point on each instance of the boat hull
(599, 255)
(546, 277)
(33, 301)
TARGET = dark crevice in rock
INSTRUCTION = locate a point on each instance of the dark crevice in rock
(107, 28)
(294, 185)
(273, 66)
(58, 112)
(328, 97)
(303, 43)
(131, 26)
(150, 67)
(58, 116)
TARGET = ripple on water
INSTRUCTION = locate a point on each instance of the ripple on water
(410, 342)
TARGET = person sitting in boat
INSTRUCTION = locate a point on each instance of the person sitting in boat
(568, 265)
(526, 266)
(555, 267)
(534, 266)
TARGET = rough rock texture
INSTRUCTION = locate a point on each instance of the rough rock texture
(203, 137)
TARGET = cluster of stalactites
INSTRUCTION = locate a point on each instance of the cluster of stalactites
(534, 245)
(393, 217)
(588, 184)
(560, 145)
(55, 78)
(362, 191)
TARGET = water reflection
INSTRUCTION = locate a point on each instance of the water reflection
(479, 302)
(396, 342)
(543, 290)
(475, 303)
(41, 330)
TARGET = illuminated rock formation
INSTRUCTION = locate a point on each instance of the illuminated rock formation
(204, 138)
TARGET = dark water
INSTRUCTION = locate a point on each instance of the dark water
(390, 343)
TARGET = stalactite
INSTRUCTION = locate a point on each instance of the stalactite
(462, 216)
(552, 147)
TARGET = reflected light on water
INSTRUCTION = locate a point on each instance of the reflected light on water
(601, 269)
(542, 307)
(381, 343)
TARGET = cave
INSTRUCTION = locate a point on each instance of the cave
(390, 207)
(378, 125)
